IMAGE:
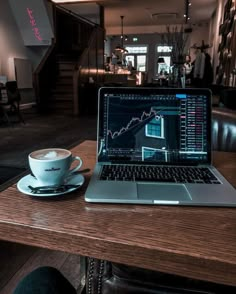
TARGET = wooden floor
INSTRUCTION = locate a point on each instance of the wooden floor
(17, 260)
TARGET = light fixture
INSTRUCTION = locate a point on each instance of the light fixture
(186, 15)
(122, 30)
(121, 47)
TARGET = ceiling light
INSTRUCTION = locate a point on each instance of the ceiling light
(164, 15)
(187, 6)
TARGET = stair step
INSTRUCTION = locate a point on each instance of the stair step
(65, 73)
(63, 107)
(68, 57)
(66, 81)
(56, 97)
(61, 100)
(63, 89)
(63, 111)
(61, 103)
(67, 97)
(66, 65)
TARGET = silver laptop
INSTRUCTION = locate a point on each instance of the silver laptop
(154, 147)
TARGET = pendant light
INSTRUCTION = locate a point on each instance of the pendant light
(122, 48)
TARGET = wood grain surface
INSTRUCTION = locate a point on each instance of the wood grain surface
(196, 242)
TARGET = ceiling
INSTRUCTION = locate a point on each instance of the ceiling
(145, 15)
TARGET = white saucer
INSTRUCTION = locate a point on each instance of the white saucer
(29, 180)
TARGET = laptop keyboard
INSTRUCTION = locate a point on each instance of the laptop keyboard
(158, 174)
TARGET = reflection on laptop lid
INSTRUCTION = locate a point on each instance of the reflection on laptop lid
(154, 147)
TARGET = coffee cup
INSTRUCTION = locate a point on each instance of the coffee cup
(52, 166)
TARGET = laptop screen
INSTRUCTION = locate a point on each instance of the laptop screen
(154, 125)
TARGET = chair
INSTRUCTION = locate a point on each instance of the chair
(106, 277)
(227, 97)
(12, 105)
(224, 129)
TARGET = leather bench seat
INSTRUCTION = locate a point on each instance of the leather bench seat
(224, 129)
(104, 277)
(228, 97)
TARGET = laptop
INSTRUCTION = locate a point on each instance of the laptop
(154, 147)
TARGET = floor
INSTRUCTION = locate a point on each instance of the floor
(17, 141)
(42, 131)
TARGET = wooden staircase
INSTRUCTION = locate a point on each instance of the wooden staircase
(61, 98)
(76, 53)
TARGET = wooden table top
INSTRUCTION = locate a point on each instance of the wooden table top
(196, 242)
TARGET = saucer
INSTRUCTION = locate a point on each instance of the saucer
(29, 180)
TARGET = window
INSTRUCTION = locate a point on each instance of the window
(137, 57)
(155, 128)
(164, 49)
(164, 68)
(152, 153)
(164, 52)
(136, 49)
(141, 63)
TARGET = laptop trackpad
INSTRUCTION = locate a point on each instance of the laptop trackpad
(163, 192)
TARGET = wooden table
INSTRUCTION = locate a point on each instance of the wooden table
(196, 242)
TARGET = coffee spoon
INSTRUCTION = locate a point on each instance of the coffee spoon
(52, 189)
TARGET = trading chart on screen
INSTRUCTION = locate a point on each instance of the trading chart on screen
(166, 128)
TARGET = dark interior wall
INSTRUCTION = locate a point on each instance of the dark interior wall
(12, 46)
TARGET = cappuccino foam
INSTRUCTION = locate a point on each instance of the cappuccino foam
(50, 154)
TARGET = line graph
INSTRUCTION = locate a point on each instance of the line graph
(134, 122)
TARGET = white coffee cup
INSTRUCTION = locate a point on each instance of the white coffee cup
(51, 166)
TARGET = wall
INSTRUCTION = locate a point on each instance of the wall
(11, 42)
(200, 33)
(214, 34)
(33, 22)
(12, 46)
(227, 45)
